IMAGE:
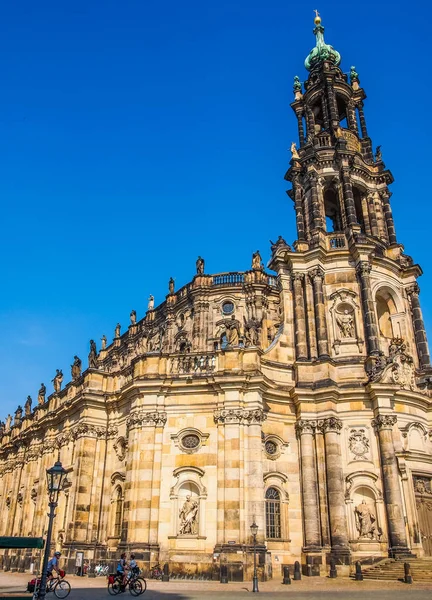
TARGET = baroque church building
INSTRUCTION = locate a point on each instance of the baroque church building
(298, 398)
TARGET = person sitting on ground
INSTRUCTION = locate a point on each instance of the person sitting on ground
(121, 568)
(53, 565)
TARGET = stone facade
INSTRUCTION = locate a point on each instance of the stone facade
(299, 399)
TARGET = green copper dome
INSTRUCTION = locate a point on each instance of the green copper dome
(322, 51)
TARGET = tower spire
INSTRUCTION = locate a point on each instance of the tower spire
(322, 51)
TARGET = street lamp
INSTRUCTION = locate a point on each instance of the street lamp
(55, 478)
(254, 531)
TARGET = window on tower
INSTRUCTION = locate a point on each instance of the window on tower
(332, 211)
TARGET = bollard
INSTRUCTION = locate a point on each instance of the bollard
(407, 576)
(297, 571)
(333, 570)
(165, 573)
(309, 570)
(286, 575)
(358, 572)
(224, 574)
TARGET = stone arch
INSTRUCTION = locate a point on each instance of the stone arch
(188, 497)
(416, 437)
(365, 508)
(389, 313)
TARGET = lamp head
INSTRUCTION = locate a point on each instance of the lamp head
(55, 478)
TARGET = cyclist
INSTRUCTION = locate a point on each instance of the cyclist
(133, 566)
(121, 570)
(53, 565)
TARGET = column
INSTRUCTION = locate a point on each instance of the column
(298, 206)
(310, 312)
(322, 487)
(351, 117)
(331, 428)
(334, 117)
(348, 197)
(317, 277)
(363, 271)
(385, 196)
(418, 325)
(315, 204)
(312, 536)
(325, 112)
(372, 214)
(362, 120)
(254, 473)
(383, 425)
(83, 484)
(300, 128)
(299, 317)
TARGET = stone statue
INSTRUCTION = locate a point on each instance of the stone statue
(150, 303)
(200, 266)
(76, 368)
(189, 517)
(104, 342)
(18, 415)
(41, 394)
(27, 406)
(133, 317)
(256, 261)
(252, 327)
(8, 423)
(365, 520)
(92, 357)
(58, 380)
(117, 331)
(294, 152)
(2, 429)
(346, 324)
(171, 285)
(232, 331)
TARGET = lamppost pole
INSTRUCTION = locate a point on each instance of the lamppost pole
(51, 515)
(55, 478)
(254, 531)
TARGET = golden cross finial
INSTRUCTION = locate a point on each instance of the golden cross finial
(317, 19)
(316, 13)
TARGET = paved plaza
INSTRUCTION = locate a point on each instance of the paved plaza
(307, 589)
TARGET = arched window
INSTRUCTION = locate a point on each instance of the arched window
(332, 211)
(273, 513)
(118, 511)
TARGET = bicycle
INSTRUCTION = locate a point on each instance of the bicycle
(156, 572)
(58, 585)
(101, 570)
(137, 585)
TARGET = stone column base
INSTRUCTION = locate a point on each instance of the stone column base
(400, 552)
(341, 555)
(312, 562)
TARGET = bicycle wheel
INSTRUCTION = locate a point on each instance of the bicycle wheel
(62, 589)
(135, 587)
(114, 588)
(143, 583)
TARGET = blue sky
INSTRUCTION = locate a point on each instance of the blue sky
(136, 135)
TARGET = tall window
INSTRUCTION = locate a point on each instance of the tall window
(273, 514)
(118, 511)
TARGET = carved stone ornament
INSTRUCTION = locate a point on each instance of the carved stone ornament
(149, 419)
(422, 485)
(189, 440)
(397, 368)
(120, 447)
(273, 446)
(33, 495)
(358, 443)
(384, 422)
(305, 426)
(87, 430)
(331, 424)
(239, 416)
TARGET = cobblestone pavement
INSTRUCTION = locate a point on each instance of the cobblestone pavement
(308, 589)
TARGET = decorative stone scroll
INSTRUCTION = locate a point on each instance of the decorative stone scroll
(120, 448)
(305, 426)
(239, 416)
(87, 430)
(146, 419)
(397, 368)
(330, 424)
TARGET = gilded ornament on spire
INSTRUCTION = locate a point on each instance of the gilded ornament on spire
(322, 51)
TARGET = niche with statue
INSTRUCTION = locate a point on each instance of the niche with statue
(345, 317)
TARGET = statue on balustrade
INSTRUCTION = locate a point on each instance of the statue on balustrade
(58, 380)
(18, 415)
(27, 406)
(365, 521)
(200, 266)
(8, 423)
(103, 342)
(256, 261)
(92, 357)
(232, 329)
(76, 368)
(117, 331)
(150, 303)
(251, 329)
(171, 286)
(41, 394)
(133, 317)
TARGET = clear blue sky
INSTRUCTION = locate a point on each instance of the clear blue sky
(135, 135)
